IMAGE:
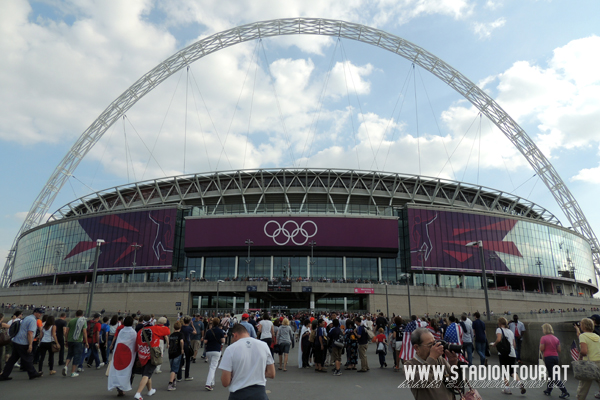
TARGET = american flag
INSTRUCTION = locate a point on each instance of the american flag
(408, 351)
(436, 335)
(454, 335)
(574, 351)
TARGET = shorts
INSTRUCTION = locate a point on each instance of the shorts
(506, 360)
(175, 363)
(75, 352)
(147, 370)
(195, 345)
(255, 392)
(284, 348)
(336, 353)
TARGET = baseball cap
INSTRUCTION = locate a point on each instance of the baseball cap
(96, 315)
(595, 318)
(39, 310)
(245, 316)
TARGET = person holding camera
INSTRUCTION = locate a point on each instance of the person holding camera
(430, 352)
(505, 344)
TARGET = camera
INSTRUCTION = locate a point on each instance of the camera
(575, 323)
(455, 348)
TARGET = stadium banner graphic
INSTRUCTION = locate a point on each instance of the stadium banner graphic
(380, 233)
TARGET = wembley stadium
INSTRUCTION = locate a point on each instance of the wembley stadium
(282, 238)
(303, 239)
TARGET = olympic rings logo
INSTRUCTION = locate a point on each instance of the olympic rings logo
(282, 234)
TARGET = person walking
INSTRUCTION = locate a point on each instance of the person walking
(61, 327)
(363, 344)
(246, 365)
(381, 341)
(48, 336)
(188, 331)
(304, 345)
(480, 338)
(198, 337)
(518, 330)
(336, 351)
(113, 324)
(320, 346)
(77, 338)
(285, 339)
(266, 330)
(213, 342)
(467, 326)
(351, 342)
(124, 355)
(507, 356)
(22, 345)
(176, 354)
(149, 336)
(589, 344)
(396, 338)
(550, 349)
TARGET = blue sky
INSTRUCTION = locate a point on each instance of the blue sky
(63, 62)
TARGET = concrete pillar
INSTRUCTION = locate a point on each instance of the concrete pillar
(312, 301)
(345, 303)
(234, 305)
(272, 261)
(202, 267)
(379, 268)
(308, 260)
(344, 265)
(246, 301)
(236, 268)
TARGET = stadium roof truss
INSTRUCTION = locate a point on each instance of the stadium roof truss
(298, 187)
(309, 26)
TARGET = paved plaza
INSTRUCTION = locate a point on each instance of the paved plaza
(295, 384)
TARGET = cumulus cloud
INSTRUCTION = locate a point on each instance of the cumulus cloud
(589, 175)
(484, 29)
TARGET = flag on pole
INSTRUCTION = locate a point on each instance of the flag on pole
(119, 373)
(408, 351)
(574, 351)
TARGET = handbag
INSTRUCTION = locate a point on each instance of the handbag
(155, 353)
(4, 337)
(369, 332)
(471, 394)
(586, 370)
(55, 347)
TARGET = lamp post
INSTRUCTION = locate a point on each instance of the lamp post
(479, 244)
(493, 262)
(249, 243)
(192, 272)
(93, 285)
(135, 249)
(539, 264)
(59, 252)
(312, 244)
(217, 305)
(422, 264)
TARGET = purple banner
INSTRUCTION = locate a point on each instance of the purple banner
(153, 231)
(291, 232)
(438, 239)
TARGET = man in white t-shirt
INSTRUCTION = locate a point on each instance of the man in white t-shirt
(246, 365)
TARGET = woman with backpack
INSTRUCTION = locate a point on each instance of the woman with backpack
(505, 344)
(48, 336)
(213, 342)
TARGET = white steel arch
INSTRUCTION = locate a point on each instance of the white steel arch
(308, 26)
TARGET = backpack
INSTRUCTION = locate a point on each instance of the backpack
(504, 346)
(14, 328)
(90, 330)
(174, 346)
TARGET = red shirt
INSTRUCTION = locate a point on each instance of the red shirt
(380, 337)
(154, 334)
(97, 328)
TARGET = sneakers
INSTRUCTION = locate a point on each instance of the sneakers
(151, 392)
(506, 390)
(79, 369)
(189, 378)
(337, 373)
(100, 366)
(89, 365)
(183, 368)
(138, 396)
(64, 371)
(566, 394)
(74, 375)
(208, 387)
(597, 395)
(157, 370)
(18, 365)
(171, 387)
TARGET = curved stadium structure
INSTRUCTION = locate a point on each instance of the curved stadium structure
(285, 237)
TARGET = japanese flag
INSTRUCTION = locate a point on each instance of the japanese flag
(123, 358)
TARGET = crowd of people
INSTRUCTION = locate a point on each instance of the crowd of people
(127, 345)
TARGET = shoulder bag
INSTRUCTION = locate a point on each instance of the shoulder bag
(55, 347)
(4, 338)
(504, 346)
(585, 370)
(155, 353)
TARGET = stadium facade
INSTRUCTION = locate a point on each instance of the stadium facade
(304, 239)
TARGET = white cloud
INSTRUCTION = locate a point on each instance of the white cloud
(485, 29)
(589, 175)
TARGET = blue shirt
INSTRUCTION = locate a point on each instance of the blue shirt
(249, 328)
(479, 330)
(29, 324)
(199, 325)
